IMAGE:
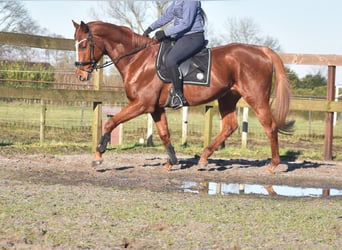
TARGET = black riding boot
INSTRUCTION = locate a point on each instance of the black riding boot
(177, 98)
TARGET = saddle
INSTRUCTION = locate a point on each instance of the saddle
(195, 70)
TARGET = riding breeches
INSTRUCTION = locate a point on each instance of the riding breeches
(184, 48)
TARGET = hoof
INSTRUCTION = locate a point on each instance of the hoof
(173, 161)
(202, 164)
(96, 163)
(167, 167)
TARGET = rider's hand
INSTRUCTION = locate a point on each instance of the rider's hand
(147, 31)
(160, 35)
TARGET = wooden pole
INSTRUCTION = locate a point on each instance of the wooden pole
(185, 126)
(42, 122)
(149, 131)
(329, 117)
(96, 126)
(244, 128)
(208, 125)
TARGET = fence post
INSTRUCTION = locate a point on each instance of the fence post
(42, 121)
(149, 130)
(185, 126)
(244, 128)
(329, 116)
(97, 110)
(208, 124)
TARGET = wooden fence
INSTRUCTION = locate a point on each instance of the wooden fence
(97, 96)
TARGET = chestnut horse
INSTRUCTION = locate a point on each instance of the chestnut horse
(238, 70)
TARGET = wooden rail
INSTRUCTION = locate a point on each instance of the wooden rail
(66, 95)
(307, 105)
(59, 95)
(42, 42)
(310, 59)
(97, 96)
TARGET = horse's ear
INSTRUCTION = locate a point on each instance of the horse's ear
(76, 25)
(84, 27)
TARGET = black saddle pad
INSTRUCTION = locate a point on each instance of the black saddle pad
(195, 70)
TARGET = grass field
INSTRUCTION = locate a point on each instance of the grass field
(70, 126)
(46, 216)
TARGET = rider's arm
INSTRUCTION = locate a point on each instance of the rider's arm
(165, 18)
(184, 22)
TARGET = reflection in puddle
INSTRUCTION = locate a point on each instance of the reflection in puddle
(213, 188)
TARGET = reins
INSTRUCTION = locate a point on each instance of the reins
(133, 51)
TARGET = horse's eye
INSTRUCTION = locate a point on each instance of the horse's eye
(83, 47)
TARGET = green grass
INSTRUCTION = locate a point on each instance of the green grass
(49, 216)
(69, 126)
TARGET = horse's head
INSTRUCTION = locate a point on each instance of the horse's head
(87, 52)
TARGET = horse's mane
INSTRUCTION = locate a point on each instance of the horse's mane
(137, 39)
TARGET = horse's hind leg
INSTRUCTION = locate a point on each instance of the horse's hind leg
(160, 120)
(227, 106)
(267, 121)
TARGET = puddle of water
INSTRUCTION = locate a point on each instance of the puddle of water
(213, 188)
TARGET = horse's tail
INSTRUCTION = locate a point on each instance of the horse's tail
(282, 93)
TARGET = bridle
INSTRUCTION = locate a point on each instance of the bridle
(93, 62)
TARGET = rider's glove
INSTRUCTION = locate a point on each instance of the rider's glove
(160, 35)
(147, 31)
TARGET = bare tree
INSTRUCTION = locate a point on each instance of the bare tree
(134, 14)
(161, 5)
(247, 31)
(15, 18)
(138, 14)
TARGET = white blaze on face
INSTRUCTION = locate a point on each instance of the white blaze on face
(76, 46)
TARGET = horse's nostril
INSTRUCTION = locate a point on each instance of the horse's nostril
(83, 78)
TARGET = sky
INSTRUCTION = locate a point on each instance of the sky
(300, 26)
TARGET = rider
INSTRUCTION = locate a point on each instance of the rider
(188, 32)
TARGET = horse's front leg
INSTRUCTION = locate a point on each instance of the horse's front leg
(160, 120)
(129, 112)
(101, 148)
